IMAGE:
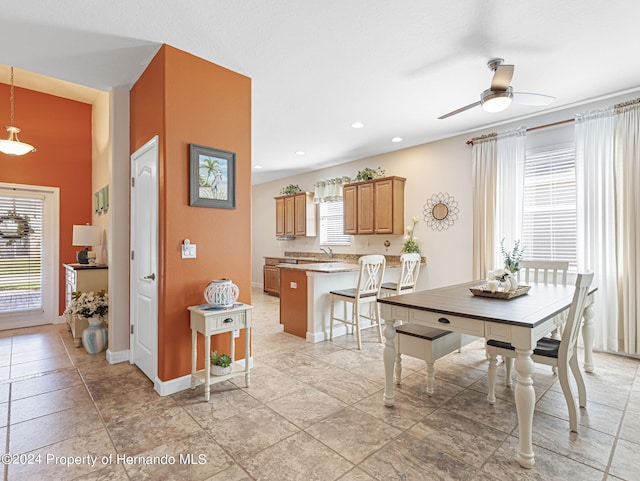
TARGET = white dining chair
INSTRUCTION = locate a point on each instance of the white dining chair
(553, 352)
(409, 271)
(546, 272)
(367, 291)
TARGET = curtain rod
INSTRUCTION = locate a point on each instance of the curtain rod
(553, 124)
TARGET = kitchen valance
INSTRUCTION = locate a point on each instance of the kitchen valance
(329, 190)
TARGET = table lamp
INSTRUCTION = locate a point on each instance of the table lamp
(85, 235)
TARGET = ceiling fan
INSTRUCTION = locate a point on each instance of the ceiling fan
(499, 96)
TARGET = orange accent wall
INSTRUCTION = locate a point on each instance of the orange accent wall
(185, 99)
(60, 130)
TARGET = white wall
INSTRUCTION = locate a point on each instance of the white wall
(119, 226)
(441, 166)
(101, 166)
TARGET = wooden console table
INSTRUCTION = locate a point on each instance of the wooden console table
(210, 321)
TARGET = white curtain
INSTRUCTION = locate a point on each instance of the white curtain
(511, 148)
(627, 175)
(484, 172)
(329, 190)
(608, 186)
(498, 180)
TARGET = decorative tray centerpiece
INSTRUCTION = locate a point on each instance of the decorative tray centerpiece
(484, 291)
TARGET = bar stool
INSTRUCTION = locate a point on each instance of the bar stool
(409, 271)
(366, 292)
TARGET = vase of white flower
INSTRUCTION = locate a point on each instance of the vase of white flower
(92, 306)
(504, 277)
(410, 241)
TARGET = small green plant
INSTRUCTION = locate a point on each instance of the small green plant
(513, 258)
(221, 360)
(290, 189)
(369, 174)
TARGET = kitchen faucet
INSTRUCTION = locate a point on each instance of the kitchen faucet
(329, 253)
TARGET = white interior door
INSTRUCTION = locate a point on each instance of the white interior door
(144, 258)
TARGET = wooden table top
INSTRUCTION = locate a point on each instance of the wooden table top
(543, 302)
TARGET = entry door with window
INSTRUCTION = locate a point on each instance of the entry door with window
(28, 258)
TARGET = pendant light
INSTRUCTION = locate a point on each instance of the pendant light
(13, 146)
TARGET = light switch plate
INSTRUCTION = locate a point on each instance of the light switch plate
(294, 285)
(189, 251)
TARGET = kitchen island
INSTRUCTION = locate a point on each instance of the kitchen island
(305, 302)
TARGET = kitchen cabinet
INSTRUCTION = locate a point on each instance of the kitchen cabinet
(293, 302)
(296, 215)
(280, 217)
(374, 206)
(83, 278)
(271, 273)
(271, 276)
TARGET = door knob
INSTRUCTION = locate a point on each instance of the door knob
(150, 276)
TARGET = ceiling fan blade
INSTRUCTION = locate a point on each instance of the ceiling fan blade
(524, 98)
(502, 77)
(461, 109)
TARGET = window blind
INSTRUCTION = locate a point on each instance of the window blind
(331, 225)
(21, 222)
(549, 217)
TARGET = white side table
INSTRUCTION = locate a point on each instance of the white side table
(208, 322)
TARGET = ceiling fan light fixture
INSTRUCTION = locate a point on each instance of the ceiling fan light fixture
(13, 146)
(493, 101)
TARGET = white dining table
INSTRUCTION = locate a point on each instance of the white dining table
(521, 321)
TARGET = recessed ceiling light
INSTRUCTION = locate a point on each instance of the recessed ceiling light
(257, 167)
(357, 125)
(299, 152)
(397, 139)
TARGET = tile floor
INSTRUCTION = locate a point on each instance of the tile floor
(313, 412)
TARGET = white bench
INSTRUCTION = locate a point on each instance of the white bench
(426, 343)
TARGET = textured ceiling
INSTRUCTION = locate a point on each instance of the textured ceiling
(318, 66)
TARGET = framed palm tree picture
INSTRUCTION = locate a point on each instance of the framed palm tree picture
(212, 177)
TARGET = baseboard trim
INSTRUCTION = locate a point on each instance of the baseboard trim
(172, 386)
(115, 357)
(338, 330)
(320, 336)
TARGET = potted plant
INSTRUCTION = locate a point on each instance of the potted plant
(220, 364)
(513, 258)
(290, 189)
(369, 174)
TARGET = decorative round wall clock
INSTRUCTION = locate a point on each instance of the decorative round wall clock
(441, 211)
